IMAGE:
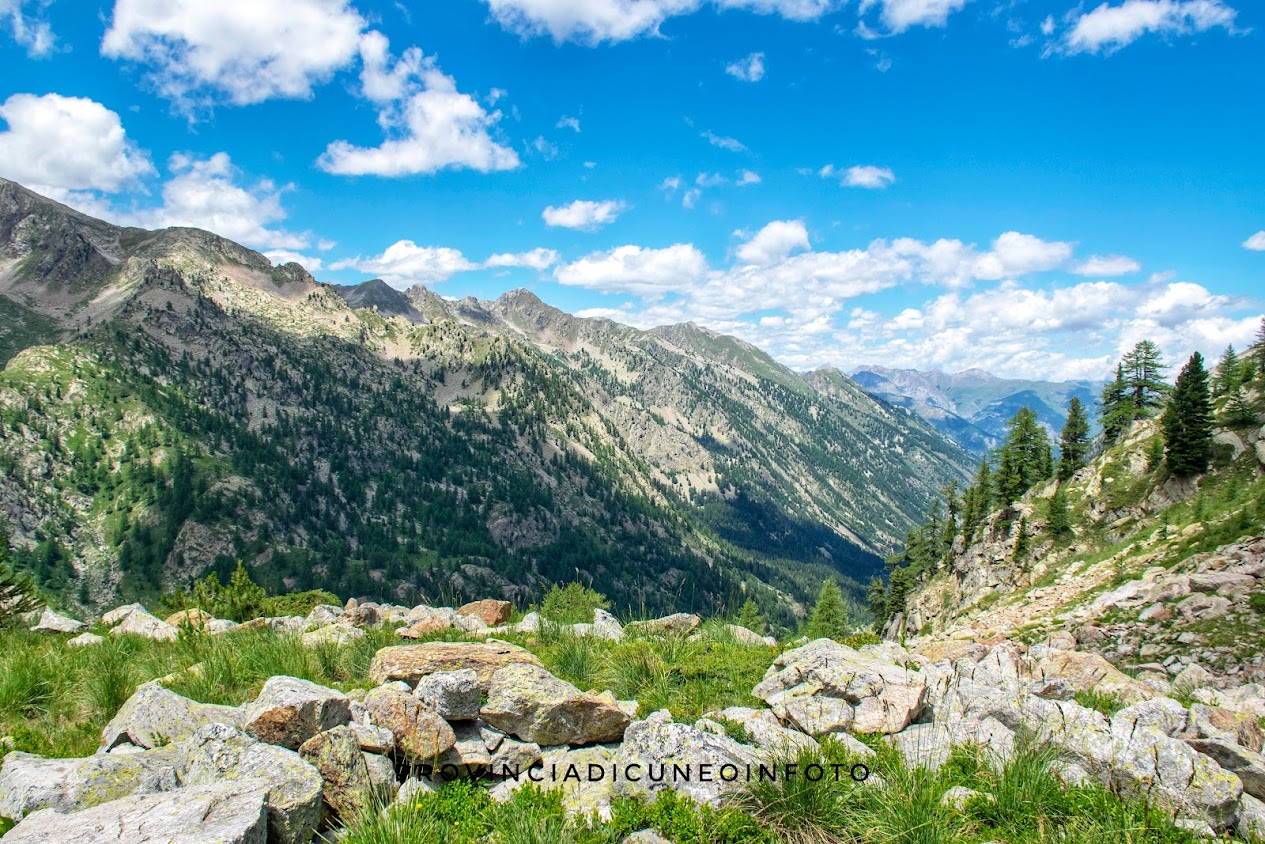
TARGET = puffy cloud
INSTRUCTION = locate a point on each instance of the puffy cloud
(633, 269)
(1016, 254)
(32, 32)
(868, 176)
(286, 256)
(204, 193)
(583, 214)
(775, 242)
(536, 259)
(900, 15)
(57, 144)
(748, 177)
(1256, 242)
(1109, 28)
(1107, 266)
(430, 124)
(731, 144)
(568, 122)
(404, 264)
(750, 69)
(596, 21)
(243, 50)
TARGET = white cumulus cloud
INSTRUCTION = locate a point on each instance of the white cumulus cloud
(900, 15)
(865, 176)
(724, 142)
(1108, 28)
(57, 144)
(775, 242)
(404, 264)
(30, 30)
(536, 259)
(1256, 242)
(242, 50)
(750, 69)
(430, 125)
(1107, 266)
(634, 269)
(583, 214)
(285, 256)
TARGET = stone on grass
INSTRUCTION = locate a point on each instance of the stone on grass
(677, 624)
(141, 623)
(289, 711)
(658, 741)
(154, 716)
(528, 702)
(606, 626)
(83, 640)
(411, 663)
(455, 695)
(743, 636)
(765, 732)
(190, 619)
(333, 634)
(425, 627)
(490, 612)
(52, 622)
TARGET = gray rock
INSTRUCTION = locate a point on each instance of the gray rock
(323, 614)
(528, 702)
(455, 695)
(382, 778)
(84, 640)
(289, 711)
(743, 636)
(511, 756)
(421, 736)
(766, 732)
(815, 715)
(1192, 677)
(373, 739)
(658, 741)
(412, 787)
(344, 772)
(1251, 822)
(566, 770)
(333, 634)
(1249, 767)
(216, 626)
(119, 614)
(677, 624)
(153, 716)
(606, 626)
(138, 622)
(645, 836)
(293, 790)
(222, 813)
(51, 622)
(1162, 714)
(30, 783)
(958, 796)
(854, 746)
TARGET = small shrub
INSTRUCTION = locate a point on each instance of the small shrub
(734, 730)
(1257, 602)
(859, 640)
(1107, 704)
(797, 809)
(298, 603)
(572, 604)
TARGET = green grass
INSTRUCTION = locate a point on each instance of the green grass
(1107, 704)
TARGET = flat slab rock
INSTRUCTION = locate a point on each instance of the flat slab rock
(225, 813)
(411, 663)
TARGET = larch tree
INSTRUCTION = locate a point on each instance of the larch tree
(1074, 440)
(1187, 421)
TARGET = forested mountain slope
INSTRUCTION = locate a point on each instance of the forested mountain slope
(172, 402)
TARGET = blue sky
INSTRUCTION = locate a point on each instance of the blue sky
(1027, 186)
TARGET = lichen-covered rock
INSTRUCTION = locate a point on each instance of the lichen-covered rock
(336, 754)
(289, 711)
(1251, 823)
(190, 619)
(323, 614)
(218, 753)
(528, 702)
(52, 622)
(677, 624)
(659, 742)
(84, 640)
(373, 739)
(1086, 671)
(606, 626)
(815, 715)
(1213, 722)
(30, 783)
(469, 755)
(568, 770)
(766, 732)
(425, 627)
(490, 612)
(154, 716)
(1248, 766)
(421, 735)
(119, 614)
(411, 663)
(382, 779)
(140, 623)
(333, 634)
(455, 695)
(221, 813)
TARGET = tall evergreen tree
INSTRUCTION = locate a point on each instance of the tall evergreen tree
(17, 593)
(1058, 520)
(1229, 373)
(1259, 345)
(1117, 411)
(1074, 440)
(1238, 413)
(1187, 421)
(829, 619)
(978, 499)
(1025, 456)
(1144, 375)
(876, 597)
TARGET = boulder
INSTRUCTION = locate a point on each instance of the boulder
(1192, 677)
(958, 796)
(373, 739)
(216, 626)
(885, 698)
(1248, 766)
(568, 770)
(382, 781)
(223, 813)
(528, 702)
(336, 754)
(606, 626)
(119, 614)
(677, 624)
(766, 732)
(815, 715)
(1251, 823)
(1222, 582)
(490, 612)
(190, 619)
(660, 743)
(1089, 671)
(51, 622)
(83, 640)
(333, 634)
(154, 715)
(218, 753)
(29, 783)
(425, 627)
(455, 695)
(289, 711)
(323, 614)
(645, 836)
(411, 663)
(140, 623)
(421, 735)
(511, 756)
(743, 636)
(469, 755)
(1218, 723)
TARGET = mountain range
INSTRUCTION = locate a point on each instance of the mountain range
(173, 403)
(973, 407)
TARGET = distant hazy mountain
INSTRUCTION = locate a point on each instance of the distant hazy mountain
(973, 407)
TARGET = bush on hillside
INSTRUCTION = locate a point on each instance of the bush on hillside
(572, 604)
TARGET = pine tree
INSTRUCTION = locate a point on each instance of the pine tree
(1144, 375)
(1259, 345)
(1187, 421)
(750, 617)
(830, 616)
(1074, 441)
(1025, 457)
(978, 500)
(1058, 520)
(1117, 411)
(876, 597)
(1237, 412)
(17, 593)
(1229, 373)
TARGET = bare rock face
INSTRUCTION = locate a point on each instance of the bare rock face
(154, 715)
(491, 612)
(219, 754)
(528, 702)
(421, 736)
(224, 813)
(336, 754)
(29, 783)
(677, 624)
(289, 711)
(658, 741)
(411, 663)
(1086, 671)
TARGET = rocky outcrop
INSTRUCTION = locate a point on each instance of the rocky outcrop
(289, 711)
(411, 663)
(153, 716)
(658, 741)
(490, 612)
(420, 734)
(528, 702)
(31, 783)
(51, 622)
